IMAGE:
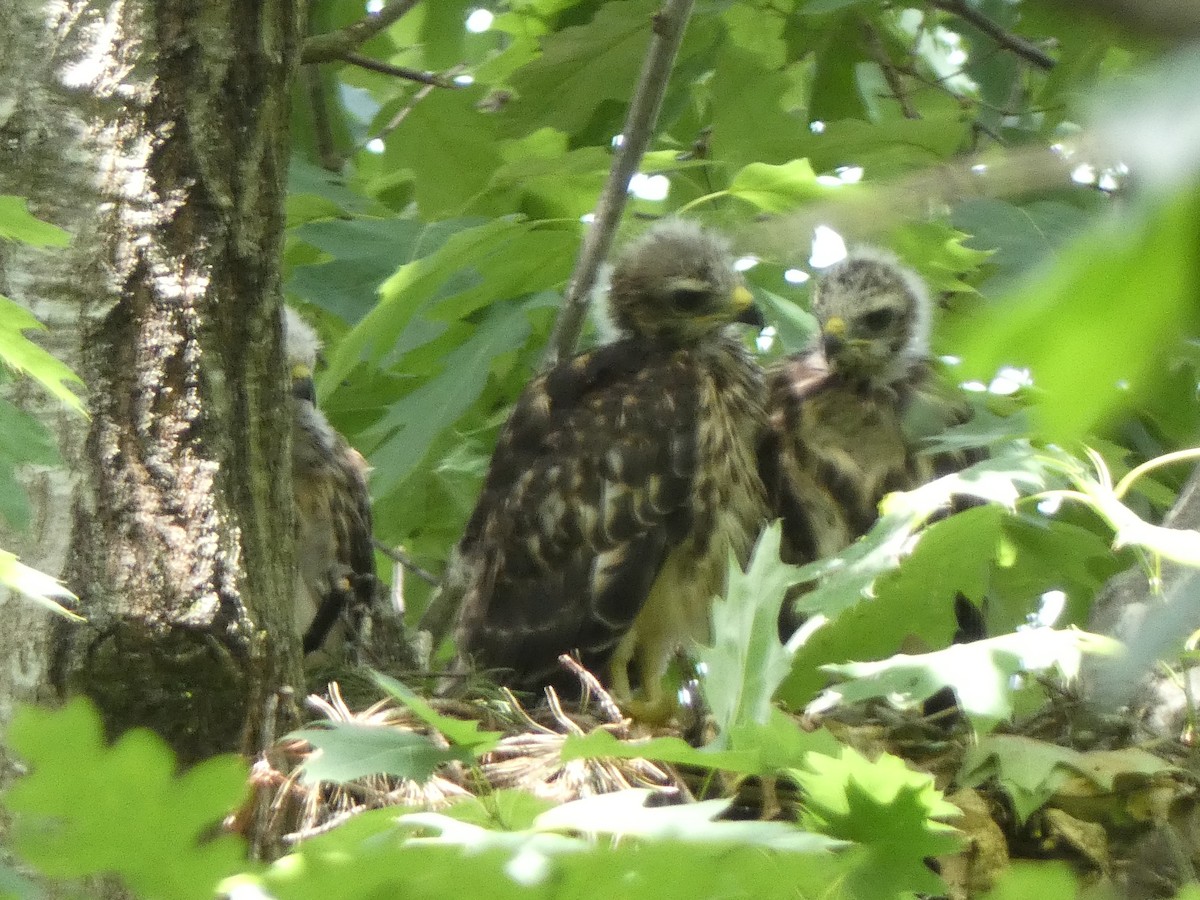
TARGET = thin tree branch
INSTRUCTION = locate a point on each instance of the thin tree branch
(668, 25)
(890, 71)
(992, 29)
(375, 65)
(334, 45)
(396, 554)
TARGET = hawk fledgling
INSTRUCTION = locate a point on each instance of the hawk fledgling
(335, 561)
(847, 421)
(620, 483)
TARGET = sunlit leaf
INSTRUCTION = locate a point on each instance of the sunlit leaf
(17, 224)
(885, 806)
(162, 814)
(746, 662)
(980, 673)
(27, 358)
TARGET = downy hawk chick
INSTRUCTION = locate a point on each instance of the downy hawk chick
(335, 560)
(849, 420)
(620, 484)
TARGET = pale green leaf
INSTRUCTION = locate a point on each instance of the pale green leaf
(629, 814)
(1132, 278)
(167, 845)
(891, 810)
(17, 224)
(36, 586)
(980, 673)
(776, 189)
(746, 662)
(27, 358)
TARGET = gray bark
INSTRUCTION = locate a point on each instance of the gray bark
(156, 133)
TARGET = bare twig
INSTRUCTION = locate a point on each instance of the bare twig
(396, 554)
(335, 45)
(992, 29)
(668, 28)
(403, 112)
(607, 705)
(365, 62)
(890, 74)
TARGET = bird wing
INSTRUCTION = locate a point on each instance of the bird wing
(589, 488)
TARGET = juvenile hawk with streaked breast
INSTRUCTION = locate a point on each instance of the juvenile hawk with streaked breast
(848, 421)
(335, 559)
(620, 484)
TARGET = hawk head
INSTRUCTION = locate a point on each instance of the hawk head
(301, 349)
(874, 316)
(677, 284)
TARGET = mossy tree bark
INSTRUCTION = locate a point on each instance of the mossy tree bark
(156, 133)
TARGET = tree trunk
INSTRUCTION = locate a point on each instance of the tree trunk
(156, 133)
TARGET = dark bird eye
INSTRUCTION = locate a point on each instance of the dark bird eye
(689, 299)
(879, 319)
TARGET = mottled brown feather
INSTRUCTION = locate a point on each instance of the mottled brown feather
(841, 433)
(623, 475)
(335, 559)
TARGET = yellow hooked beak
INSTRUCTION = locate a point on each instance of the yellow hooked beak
(743, 305)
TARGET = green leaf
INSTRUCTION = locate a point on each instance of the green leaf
(42, 589)
(885, 806)
(746, 662)
(628, 814)
(980, 673)
(1020, 236)
(164, 846)
(1028, 770)
(848, 577)
(776, 189)
(599, 60)
(821, 7)
(26, 357)
(835, 88)
(312, 182)
(451, 146)
(749, 123)
(402, 438)
(938, 253)
(17, 224)
(797, 328)
(1135, 279)
(463, 733)
(351, 750)
(365, 253)
(511, 809)
(1052, 880)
